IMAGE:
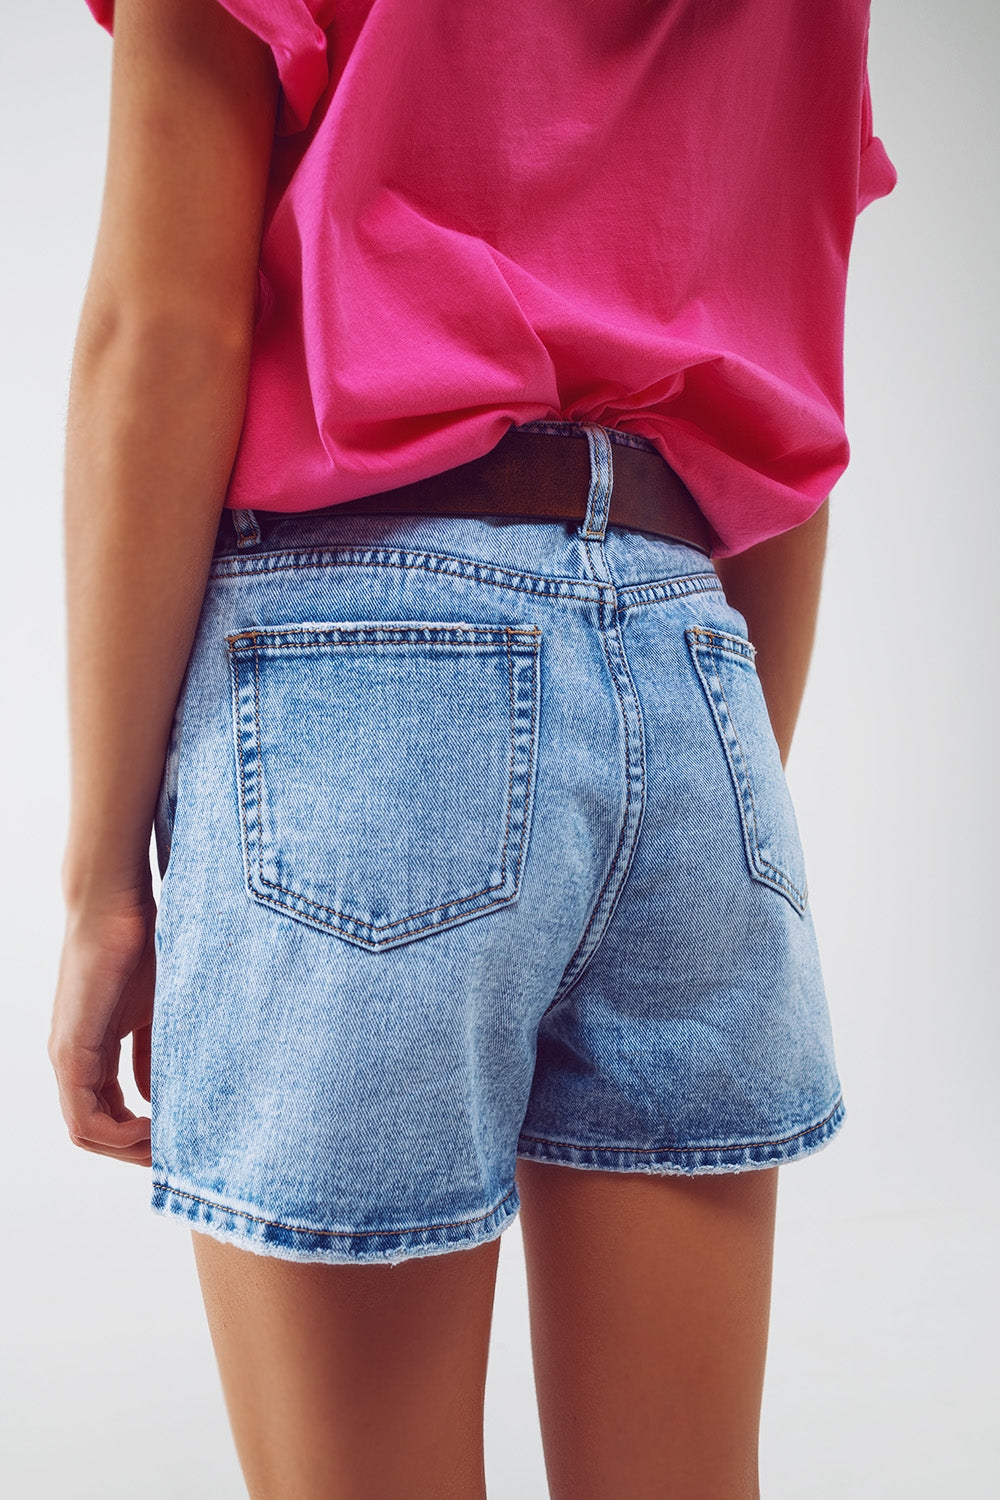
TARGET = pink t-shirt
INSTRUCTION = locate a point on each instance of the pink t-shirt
(631, 212)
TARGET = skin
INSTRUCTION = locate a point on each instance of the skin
(345, 1381)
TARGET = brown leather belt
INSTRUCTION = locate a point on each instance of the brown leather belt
(545, 476)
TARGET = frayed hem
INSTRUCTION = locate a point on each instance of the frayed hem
(692, 1161)
(248, 1230)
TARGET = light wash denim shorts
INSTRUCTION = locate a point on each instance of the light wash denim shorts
(476, 844)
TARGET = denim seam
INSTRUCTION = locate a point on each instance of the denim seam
(238, 737)
(381, 927)
(651, 1150)
(774, 876)
(374, 947)
(318, 905)
(307, 638)
(510, 782)
(241, 1213)
(565, 987)
(635, 596)
(747, 656)
(586, 591)
(721, 641)
(455, 567)
(458, 901)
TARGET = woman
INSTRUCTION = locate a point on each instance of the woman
(482, 891)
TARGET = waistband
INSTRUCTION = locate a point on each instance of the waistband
(542, 471)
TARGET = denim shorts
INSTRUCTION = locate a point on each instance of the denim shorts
(475, 844)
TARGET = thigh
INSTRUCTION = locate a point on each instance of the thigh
(649, 1299)
(346, 1382)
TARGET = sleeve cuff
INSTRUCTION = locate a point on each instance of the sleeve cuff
(876, 174)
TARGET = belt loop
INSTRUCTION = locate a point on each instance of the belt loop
(246, 528)
(602, 478)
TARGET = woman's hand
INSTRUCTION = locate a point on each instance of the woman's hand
(105, 993)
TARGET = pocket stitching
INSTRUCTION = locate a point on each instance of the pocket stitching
(720, 642)
(529, 645)
(344, 916)
(317, 906)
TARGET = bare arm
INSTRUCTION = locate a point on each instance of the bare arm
(156, 406)
(776, 587)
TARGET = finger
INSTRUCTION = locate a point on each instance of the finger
(138, 1156)
(90, 1136)
(141, 1060)
(140, 1153)
(90, 1125)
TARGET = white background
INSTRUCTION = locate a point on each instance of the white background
(882, 1367)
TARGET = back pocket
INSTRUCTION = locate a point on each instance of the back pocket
(385, 771)
(725, 665)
